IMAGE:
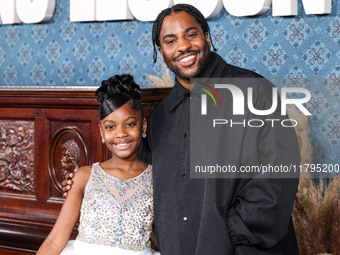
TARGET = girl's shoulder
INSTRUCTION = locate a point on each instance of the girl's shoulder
(84, 170)
(81, 176)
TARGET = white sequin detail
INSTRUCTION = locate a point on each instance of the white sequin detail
(117, 212)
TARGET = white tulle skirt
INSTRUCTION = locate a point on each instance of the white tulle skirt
(76, 247)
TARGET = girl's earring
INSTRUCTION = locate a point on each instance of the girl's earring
(103, 140)
(144, 135)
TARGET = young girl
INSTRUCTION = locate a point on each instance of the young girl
(114, 198)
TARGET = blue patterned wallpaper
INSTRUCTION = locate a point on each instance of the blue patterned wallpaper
(64, 53)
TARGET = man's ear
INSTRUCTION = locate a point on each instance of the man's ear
(161, 52)
(207, 38)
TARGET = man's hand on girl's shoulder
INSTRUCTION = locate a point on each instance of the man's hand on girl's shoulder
(67, 183)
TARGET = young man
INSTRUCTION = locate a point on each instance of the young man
(216, 215)
(213, 216)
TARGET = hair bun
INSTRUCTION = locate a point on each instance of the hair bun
(118, 84)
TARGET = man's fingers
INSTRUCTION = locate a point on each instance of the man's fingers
(69, 176)
(67, 187)
(67, 182)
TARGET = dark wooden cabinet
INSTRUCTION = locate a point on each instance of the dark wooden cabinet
(44, 135)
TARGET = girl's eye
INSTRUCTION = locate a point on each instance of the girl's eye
(131, 124)
(192, 35)
(109, 127)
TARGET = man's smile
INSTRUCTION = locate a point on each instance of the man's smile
(187, 59)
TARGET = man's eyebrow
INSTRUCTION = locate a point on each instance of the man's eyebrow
(190, 28)
(185, 31)
(168, 35)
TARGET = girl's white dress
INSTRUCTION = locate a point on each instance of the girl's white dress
(116, 215)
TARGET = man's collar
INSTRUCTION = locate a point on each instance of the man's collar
(215, 67)
(178, 93)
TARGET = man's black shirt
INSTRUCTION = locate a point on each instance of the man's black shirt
(217, 216)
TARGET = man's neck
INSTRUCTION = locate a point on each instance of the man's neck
(184, 82)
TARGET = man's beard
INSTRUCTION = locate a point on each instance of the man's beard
(202, 64)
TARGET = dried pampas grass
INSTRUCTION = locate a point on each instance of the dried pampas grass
(316, 212)
(164, 80)
(336, 226)
(316, 216)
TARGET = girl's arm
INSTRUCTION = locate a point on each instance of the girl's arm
(68, 216)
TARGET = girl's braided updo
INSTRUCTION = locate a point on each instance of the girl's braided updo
(117, 91)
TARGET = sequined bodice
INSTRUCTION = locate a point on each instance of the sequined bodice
(117, 212)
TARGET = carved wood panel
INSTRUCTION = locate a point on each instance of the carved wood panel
(16, 156)
(68, 151)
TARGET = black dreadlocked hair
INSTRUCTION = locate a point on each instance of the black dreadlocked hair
(177, 8)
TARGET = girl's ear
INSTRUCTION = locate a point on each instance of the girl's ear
(144, 125)
(101, 131)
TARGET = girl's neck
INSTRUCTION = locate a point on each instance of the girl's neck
(124, 169)
(131, 163)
